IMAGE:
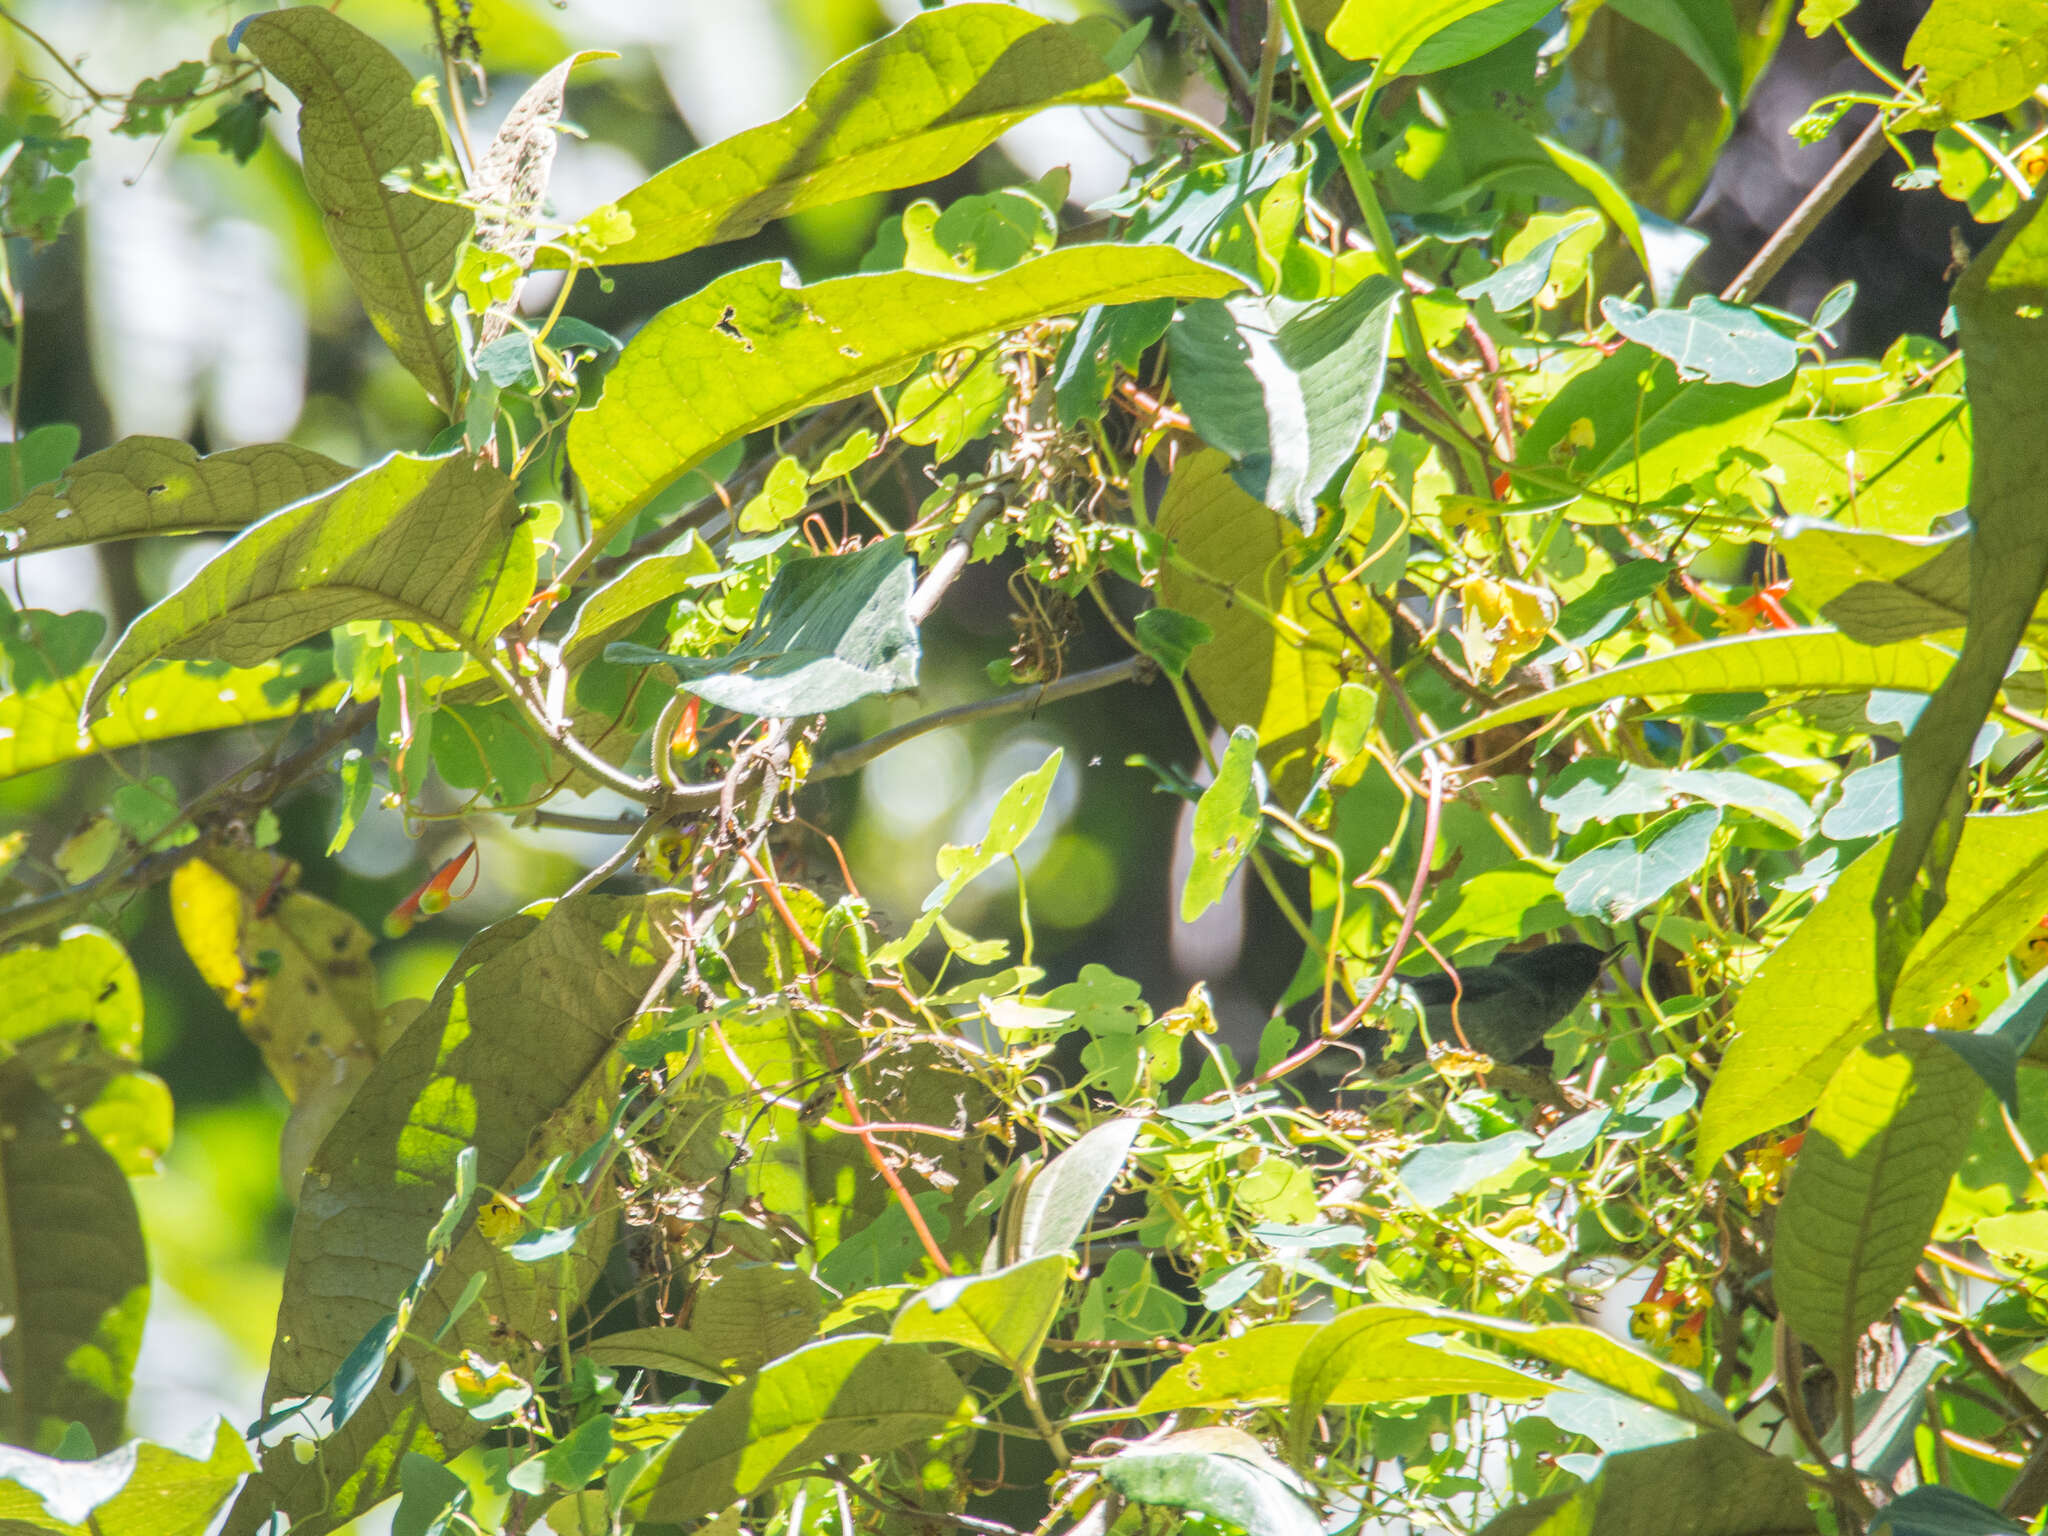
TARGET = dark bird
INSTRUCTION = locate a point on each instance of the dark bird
(1506, 1008)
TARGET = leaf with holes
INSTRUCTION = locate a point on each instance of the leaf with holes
(150, 485)
(178, 698)
(749, 351)
(1982, 57)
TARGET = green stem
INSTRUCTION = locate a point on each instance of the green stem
(1368, 202)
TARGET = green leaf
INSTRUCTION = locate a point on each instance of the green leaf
(1716, 1482)
(1721, 343)
(1792, 661)
(1617, 880)
(237, 129)
(1415, 37)
(1516, 283)
(1815, 1000)
(1892, 468)
(1879, 588)
(743, 1317)
(1931, 1511)
(1436, 1174)
(430, 1490)
(1652, 432)
(1217, 1471)
(1885, 1139)
(857, 1395)
(1278, 656)
(1982, 57)
(640, 586)
(1702, 30)
(1226, 825)
(907, 109)
(1062, 1199)
(747, 352)
(34, 459)
(1603, 1359)
(1285, 388)
(518, 1036)
(1999, 304)
(85, 980)
(75, 1277)
(358, 124)
(1004, 1314)
(182, 698)
(137, 1489)
(435, 542)
(1368, 1355)
(1169, 637)
(833, 629)
(149, 485)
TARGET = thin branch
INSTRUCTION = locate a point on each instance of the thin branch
(146, 867)
(953, 558)
(1800, 224)
(1132, 669)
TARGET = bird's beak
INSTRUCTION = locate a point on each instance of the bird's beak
(1612, 955)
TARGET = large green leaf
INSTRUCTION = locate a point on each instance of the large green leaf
(1418, 36)
(1884, 1141)
(1216, 1471)
(742, 1318)
(1793, 661)
(1702, 30)
(179, 698)
(850, 1396)
(513, 1056)
(1894, 467)
(1716, 1484)
(1999, 301)
(1368, 1355)
(144, 485)
(1653, 432)
(833, 629)
(358, 124)
(1226, 826)
(1005, 1314)
(1982, 57)
(73, 1272)
(1720, 343)
(1278, 654)
(747, 352)
(72, 1010)
(137, 1489)
(1285, 388)
(437, 542)
(1815, 1000)
(906, 109)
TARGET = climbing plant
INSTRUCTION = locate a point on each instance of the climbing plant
(1514, 591)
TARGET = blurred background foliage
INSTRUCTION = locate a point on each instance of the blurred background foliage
(211, 309)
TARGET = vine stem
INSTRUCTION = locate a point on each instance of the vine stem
(1432, 822)
(1132, 669)
(1804, 219)
(1360, 178)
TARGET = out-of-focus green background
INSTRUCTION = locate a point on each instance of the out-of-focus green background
(195, 298)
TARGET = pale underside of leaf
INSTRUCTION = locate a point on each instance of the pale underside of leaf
(436, 542)
(358, 123)
(518, 1036)
(151, 485)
